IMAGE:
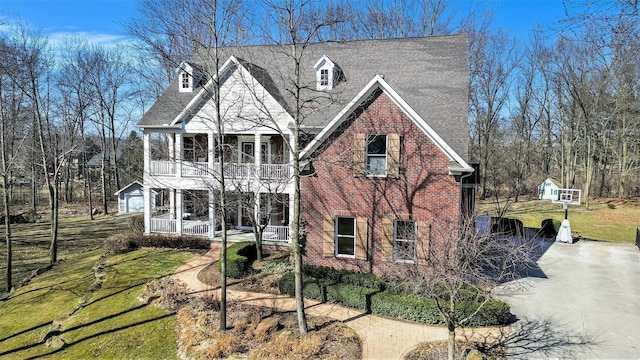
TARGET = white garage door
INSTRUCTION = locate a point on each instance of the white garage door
(135, 203)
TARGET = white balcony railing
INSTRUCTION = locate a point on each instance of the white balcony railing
(195, 169)
(276, 234)
(231, 170)
(163, 167)
(274, 171)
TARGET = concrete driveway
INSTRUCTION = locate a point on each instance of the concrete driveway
(582, 303)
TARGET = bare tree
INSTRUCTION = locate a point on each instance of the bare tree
(462, 268)
(174, 31)
(492, 61)
(34, 59)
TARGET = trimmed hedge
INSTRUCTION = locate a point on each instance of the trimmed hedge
(404, 306)
(125, 242)
(239, 257)
(327, 274)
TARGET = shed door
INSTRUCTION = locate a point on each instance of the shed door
(135, 203)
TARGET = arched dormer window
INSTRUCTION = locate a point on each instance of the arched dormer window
(328, 74)
(186, 78)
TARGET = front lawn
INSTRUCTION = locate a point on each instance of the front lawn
(111, 324)
(608, 220)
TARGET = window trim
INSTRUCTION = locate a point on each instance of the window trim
(368, 140)
(396, 240)
(354, 236)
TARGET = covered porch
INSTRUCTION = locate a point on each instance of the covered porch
(194, 213)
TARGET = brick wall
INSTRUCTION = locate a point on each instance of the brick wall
(423, 192)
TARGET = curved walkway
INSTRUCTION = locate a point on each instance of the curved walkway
(381, 338)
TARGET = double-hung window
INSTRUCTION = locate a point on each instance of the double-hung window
(345, 236)
(404, 241)
(185, 80)
(324, 77)
(376, 155)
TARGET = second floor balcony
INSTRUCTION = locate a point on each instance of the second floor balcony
(244, 156)
(192, 169)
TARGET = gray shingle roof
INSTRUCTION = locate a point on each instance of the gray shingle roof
(429, 73)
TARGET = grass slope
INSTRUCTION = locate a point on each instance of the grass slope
(599, 222)
(112, 324)
(77, 234)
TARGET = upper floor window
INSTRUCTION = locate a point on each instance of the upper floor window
(376, 155)
(185, 80)
(404, 241)
(324, 77)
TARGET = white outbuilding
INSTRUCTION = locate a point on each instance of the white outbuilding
(131, 198)
(548, 190)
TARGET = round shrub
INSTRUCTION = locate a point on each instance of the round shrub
(239, 257)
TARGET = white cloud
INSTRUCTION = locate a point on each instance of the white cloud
(56, 38)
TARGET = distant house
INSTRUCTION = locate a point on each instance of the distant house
(548, 190)
(131, 198)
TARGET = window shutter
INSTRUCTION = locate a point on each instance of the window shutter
(328, 237)
(361, 238)
(422, 245)
(394, 155)
(358, 154)
(387, 239)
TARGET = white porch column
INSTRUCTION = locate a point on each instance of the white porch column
(147, 153)
(257, 154)
(178, 154)
(290, 214)
(211, 143)
(256, 209)
(147, 208)
(212, 214)
(179, 211)
(171, 141)
(172, 203)
(292, 143)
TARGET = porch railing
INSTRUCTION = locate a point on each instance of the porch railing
(159, 225)
(198, 228)
(276, 234)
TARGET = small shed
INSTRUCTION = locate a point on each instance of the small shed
(548, 190)
(131, 198)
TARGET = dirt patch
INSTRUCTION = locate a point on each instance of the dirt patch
(263, 276)
(436, 350)
(199, 336)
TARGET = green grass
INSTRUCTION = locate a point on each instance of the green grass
(113, 324)
(599, 222)
(77, 234)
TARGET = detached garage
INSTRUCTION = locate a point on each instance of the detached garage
(131, 198)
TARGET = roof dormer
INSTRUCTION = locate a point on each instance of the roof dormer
(186, 78)
(328, 74)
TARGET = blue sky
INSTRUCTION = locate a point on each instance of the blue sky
(102, 20)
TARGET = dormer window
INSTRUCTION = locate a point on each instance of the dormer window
(186, 75)
(328, 74)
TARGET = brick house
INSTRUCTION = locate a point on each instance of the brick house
(385, 147)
